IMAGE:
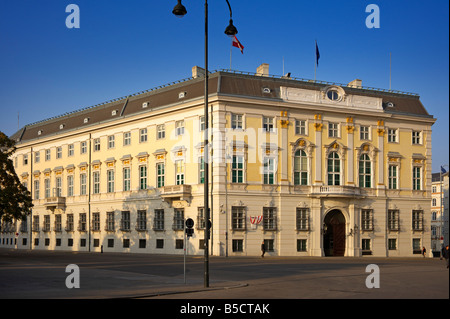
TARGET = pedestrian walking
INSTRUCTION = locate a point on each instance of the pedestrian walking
(445, 254)
(263, 249)
(424, 251)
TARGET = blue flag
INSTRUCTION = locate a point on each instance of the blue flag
(443, 171)
(317, 55)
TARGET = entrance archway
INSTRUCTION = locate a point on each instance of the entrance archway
(334, 233)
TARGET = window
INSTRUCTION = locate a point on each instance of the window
(300, 127)
(417, 181)
(59, 152)
(126, 179)
(392, 244)
(433, 202)
(178, 219)
(367, 219)
(70, 150)
(333, 95)
(201, 218)
(238, 245)
(269, 171)
(179, 244)
(96, 178)
(393, 177)
(236, 121)
(25, 159)
(160, 174)
(364, 171)
(202, 123)
(433, 216)
(366, 244)
(111, 141)
(160, 131)
(58, 226)
(268, 124)
(334, 169)
(46, 223)
(268, 244)
(416, 246)
(110, 242)
(143, 135)
(58, 189)
(179, 171)
(237, 169)
(82, 222)
(158, 221)
(393, 219)
(300, 168)
(238, 218)
(141, 223)
(364, 133)
(269, 218)
(333, 130)
(110, 226)
(392, 135)
(416, 137)
(70, 185)
(35, 225)
(201, 170)
(82, 184)
(142, 177)
(36, 189)
(95, 221)
(37, 157)
(179, 127)
(160, 243)
(302, 219)
(69, 223)
(110, 175)
(301, 245)
(47, 187)
(125, 221)
(417, 219)
(96, 144)
(83, 148)
(47, 155)
(126, 138)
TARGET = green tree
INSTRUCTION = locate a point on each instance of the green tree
(15, 199)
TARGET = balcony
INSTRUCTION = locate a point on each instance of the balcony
(55, 202)
(181, 192)
(335, 191)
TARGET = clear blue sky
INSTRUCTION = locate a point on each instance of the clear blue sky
(123, 47)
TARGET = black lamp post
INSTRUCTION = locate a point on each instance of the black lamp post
(231, 31)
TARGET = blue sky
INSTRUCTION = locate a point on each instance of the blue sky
(124, 47)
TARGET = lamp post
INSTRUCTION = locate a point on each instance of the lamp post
(441, 191)
(180, 11)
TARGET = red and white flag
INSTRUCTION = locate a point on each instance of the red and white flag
(238, 44)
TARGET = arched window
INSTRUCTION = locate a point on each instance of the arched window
(300, 168)
(334, 169)
(364, 171)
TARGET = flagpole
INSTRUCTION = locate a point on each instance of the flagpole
(231, 52)
(315, 62)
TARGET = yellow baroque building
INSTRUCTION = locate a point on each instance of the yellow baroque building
(309, 168)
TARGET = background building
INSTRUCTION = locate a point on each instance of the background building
(310, 168)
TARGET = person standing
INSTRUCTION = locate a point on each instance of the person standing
(424, 251)
(445, 254)
(263, 249)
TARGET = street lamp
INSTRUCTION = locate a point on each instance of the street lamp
(180, 11)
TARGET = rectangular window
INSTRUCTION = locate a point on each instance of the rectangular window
(269, 171)
(300, 127)
(82, 184)
(236, 121)
(300, 168)
(301, 245)
(393, 177)
(178, 219)
(142, 177)
(58, 188)
(96, 144)
(365, 244)
(59, 152)
(58, 224)
(179, 244)
(179, 127)
(160, 243)
(269, 244)
(393, 219)
(417, 220)
(364, 133)
(35, 225)
(237, 169)
(367, 219)
(302, 219)
(46, 223)
(83, 148)
(125, 221)
(36, 189)
(70, 150)
(392, 135)
(238, 245)
(70, 185)
(69, 223)
(160, 174)
(110, 243)
(269, 218)
(96, 180)
(95, 221)
(417, 137)
(47, 155)
(392, 244)
(110, 175)
(126, 179)
(238, 218)
(37, 157)
(333, 130)
(126, 138)
(160, 131)
(47, 187)
(201, 218)
(141, 222)
(158, 221)
(143, 135)
(82, 222)
(111, 141)
(110, 225)
(268, 124)
(202, 123)
(179, 171)
(201, 170)
(417, 180)
(416, 246)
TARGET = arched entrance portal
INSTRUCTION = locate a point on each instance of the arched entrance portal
(334, 233)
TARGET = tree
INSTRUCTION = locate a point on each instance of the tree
(15, 199)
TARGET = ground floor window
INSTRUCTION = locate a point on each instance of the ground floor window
(268, 244)
(301, 244)
(238, 245)
(392, 244)
(365, 245)
(416, 246)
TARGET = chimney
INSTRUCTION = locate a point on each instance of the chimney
(197, 72)
(357, 83)
(263, 70)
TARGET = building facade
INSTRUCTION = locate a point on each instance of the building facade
(308, 168)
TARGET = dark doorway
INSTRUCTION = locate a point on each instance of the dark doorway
(334, 234)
